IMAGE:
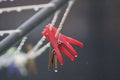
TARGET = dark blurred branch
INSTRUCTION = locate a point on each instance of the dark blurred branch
(30, 24)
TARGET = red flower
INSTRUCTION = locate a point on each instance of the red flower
(61, 43)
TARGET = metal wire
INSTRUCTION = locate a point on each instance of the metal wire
(20, 8)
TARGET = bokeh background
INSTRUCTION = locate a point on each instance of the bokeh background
(94, 22)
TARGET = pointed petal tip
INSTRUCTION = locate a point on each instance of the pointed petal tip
(72, 59)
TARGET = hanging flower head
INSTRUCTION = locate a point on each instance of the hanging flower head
(61, 43)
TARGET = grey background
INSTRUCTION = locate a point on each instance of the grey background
(94, 22)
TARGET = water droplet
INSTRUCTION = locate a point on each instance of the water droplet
(56, 70)
(36, 9)
(18, 9)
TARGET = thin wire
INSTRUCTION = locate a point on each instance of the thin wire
(70, 4)
(19, 8)
(9, 31)
(55, 18)
(21, 45)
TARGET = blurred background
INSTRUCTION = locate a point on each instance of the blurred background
(94, 22)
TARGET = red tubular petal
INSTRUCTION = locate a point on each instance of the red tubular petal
(73, 41)
(66, 52)
(53, 41)
(46, 35)
(68, 46)
(71, 49)
(54, 30)
(58, 55)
